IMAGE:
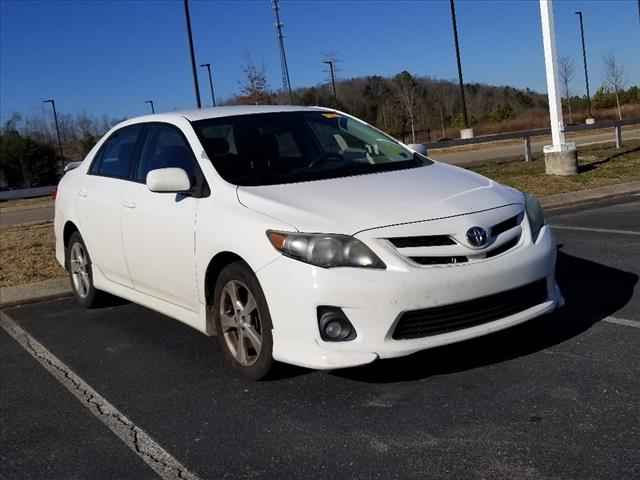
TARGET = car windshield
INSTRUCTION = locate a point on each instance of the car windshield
(288, 147)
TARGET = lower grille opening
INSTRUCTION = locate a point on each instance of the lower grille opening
(439, 260)
(458, 316)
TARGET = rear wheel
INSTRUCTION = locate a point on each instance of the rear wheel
(81, 273)
(243, 322)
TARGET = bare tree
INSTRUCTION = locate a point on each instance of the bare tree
(405, 87)
(567, 70)
(614, 78)
(254, 86)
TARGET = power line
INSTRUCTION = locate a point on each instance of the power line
(286, 82)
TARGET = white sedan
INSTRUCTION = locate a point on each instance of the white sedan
(300, 235)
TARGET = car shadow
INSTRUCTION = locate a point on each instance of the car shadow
(592, 291)
(595, 165)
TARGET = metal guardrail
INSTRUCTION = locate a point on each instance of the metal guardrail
(26, 193)
(526, 135)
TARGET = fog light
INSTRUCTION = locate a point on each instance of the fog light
(334, 325)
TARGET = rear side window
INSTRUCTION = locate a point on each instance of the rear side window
(117, 155)
(165, 147)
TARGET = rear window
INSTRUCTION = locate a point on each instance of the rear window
(117, 155)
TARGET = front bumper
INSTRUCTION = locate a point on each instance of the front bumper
(373, 300)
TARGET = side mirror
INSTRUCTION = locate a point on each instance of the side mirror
(420, 148)
(168, 180)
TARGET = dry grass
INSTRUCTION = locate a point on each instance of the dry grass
(26, 203)
(28, 255)
(599, 165)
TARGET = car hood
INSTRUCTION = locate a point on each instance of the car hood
(350, 205)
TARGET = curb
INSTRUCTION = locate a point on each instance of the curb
(59, 287)
(34, 292)
(561, 200)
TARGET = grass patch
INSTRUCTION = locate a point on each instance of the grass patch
(599, 165)
(28, 255)
(26, 203)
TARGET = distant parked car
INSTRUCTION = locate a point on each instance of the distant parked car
(300, 235)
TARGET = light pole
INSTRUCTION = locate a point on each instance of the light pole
(455, 40)
(193, 55)
(560, 158)
(584, 60)
(213, 96)
(331, 64)
(150, 102)
(55, 119)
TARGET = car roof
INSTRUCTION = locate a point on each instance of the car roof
(216, 112)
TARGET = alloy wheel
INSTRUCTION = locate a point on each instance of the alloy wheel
(79, 265)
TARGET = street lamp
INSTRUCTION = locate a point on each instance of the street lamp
(55, 118)
(213, 96)
(584, 60)
(455, 40)
(150, 102)
(193, 55)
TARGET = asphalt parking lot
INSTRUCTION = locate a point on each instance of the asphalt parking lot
(557, 397)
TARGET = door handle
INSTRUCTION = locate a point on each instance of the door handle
(128, 204)
(82, 193)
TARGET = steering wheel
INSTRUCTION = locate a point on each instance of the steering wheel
(325, 158)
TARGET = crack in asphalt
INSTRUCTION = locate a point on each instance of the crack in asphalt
(137, 439)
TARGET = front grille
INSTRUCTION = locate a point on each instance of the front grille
(423, 241)
(504, 247)
(458, 316)
(505, 225)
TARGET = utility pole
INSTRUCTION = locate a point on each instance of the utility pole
(286, 81)
(55, 119)
(584, 60)
(193, 55)
(332, 71)
(213, 96)
(457, 45)
(561, 157)
(150, 102)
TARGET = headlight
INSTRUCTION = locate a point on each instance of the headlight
(325, 250)
(535, 214)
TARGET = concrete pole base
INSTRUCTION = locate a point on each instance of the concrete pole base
(466, 133)
(563, 161)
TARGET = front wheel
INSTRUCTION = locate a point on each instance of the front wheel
(243, 321)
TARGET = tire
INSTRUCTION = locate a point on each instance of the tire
(244, 326)
(81, 274)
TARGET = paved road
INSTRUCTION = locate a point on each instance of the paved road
(15, 217)
(555, 398)
(510, 150)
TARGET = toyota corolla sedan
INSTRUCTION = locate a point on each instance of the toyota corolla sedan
(300, 235)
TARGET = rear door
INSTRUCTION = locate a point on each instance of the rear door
(159, 228)
(100, 202)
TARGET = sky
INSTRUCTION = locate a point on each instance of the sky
(109, 56)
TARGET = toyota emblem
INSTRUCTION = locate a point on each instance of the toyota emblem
(477, 237)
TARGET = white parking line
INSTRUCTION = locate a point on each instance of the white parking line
(161, 461)
(623, 321)
(597, 230)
